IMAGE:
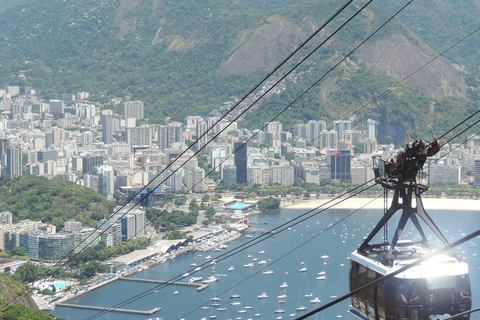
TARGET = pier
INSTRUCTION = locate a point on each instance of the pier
(200, 286)
(80, 306)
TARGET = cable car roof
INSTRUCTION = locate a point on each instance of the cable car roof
(443, 265)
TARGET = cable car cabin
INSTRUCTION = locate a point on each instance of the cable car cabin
(432, 290)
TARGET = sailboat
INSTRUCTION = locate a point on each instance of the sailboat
(300, 307)
(232, 294)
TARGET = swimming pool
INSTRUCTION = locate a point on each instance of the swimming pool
(60, 285)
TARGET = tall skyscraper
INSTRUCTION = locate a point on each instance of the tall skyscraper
(107, 129)
(14, 161)
(240, 150)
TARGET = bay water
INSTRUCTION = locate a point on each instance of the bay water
(307, 244)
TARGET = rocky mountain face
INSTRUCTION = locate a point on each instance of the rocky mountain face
(10, 290)
(194, 55)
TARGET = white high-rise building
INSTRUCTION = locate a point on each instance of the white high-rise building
(371, 129)
(314, 129)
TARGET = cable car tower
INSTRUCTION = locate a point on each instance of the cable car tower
(432, 290)
(405, 176)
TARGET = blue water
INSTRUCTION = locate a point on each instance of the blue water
(286, 251)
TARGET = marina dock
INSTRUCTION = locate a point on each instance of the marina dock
(200, 286)
(80, 306)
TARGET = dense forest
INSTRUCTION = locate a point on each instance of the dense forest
(52, 201)
(193, 56)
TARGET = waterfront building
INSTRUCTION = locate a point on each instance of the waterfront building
(53, 247)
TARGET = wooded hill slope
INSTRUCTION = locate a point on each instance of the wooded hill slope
(191, 56)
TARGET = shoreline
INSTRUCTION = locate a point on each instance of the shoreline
(377, 203)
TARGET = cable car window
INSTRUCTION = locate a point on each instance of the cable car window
(438, 283)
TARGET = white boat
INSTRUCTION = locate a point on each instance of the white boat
(248, 236)
(283, 296)
(236, 303)
(242, 311)
(321, 273)
(210, 279)
(321, 278)
(205, 308)
(262, 262)
(268, 272)
(215, 299)
(284, 285)
(308, 295)
(194, 264)
(262, 296)
(258, 314)
(198, 268)
(292, 314)
(231, 268)
(234, 296)
(325, 257)
(279, 311)
(316, 300)
(262, 252)
(194, 279)
(304, 269)
(175, 292)
(301, 308)
(186, 274)
(222, 309)
(248, 265)
(248, 307)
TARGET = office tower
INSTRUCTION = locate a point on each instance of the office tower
(240, 150)
(14, 161)
(89, 163)
(133, 109)
(107, 129)
(57, 107)
(340, 165)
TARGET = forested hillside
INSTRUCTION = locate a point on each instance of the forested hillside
(52, 201)
(191, 56)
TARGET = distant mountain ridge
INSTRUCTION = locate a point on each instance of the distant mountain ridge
(192, 56)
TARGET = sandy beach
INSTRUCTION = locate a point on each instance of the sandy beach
(355, 203)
